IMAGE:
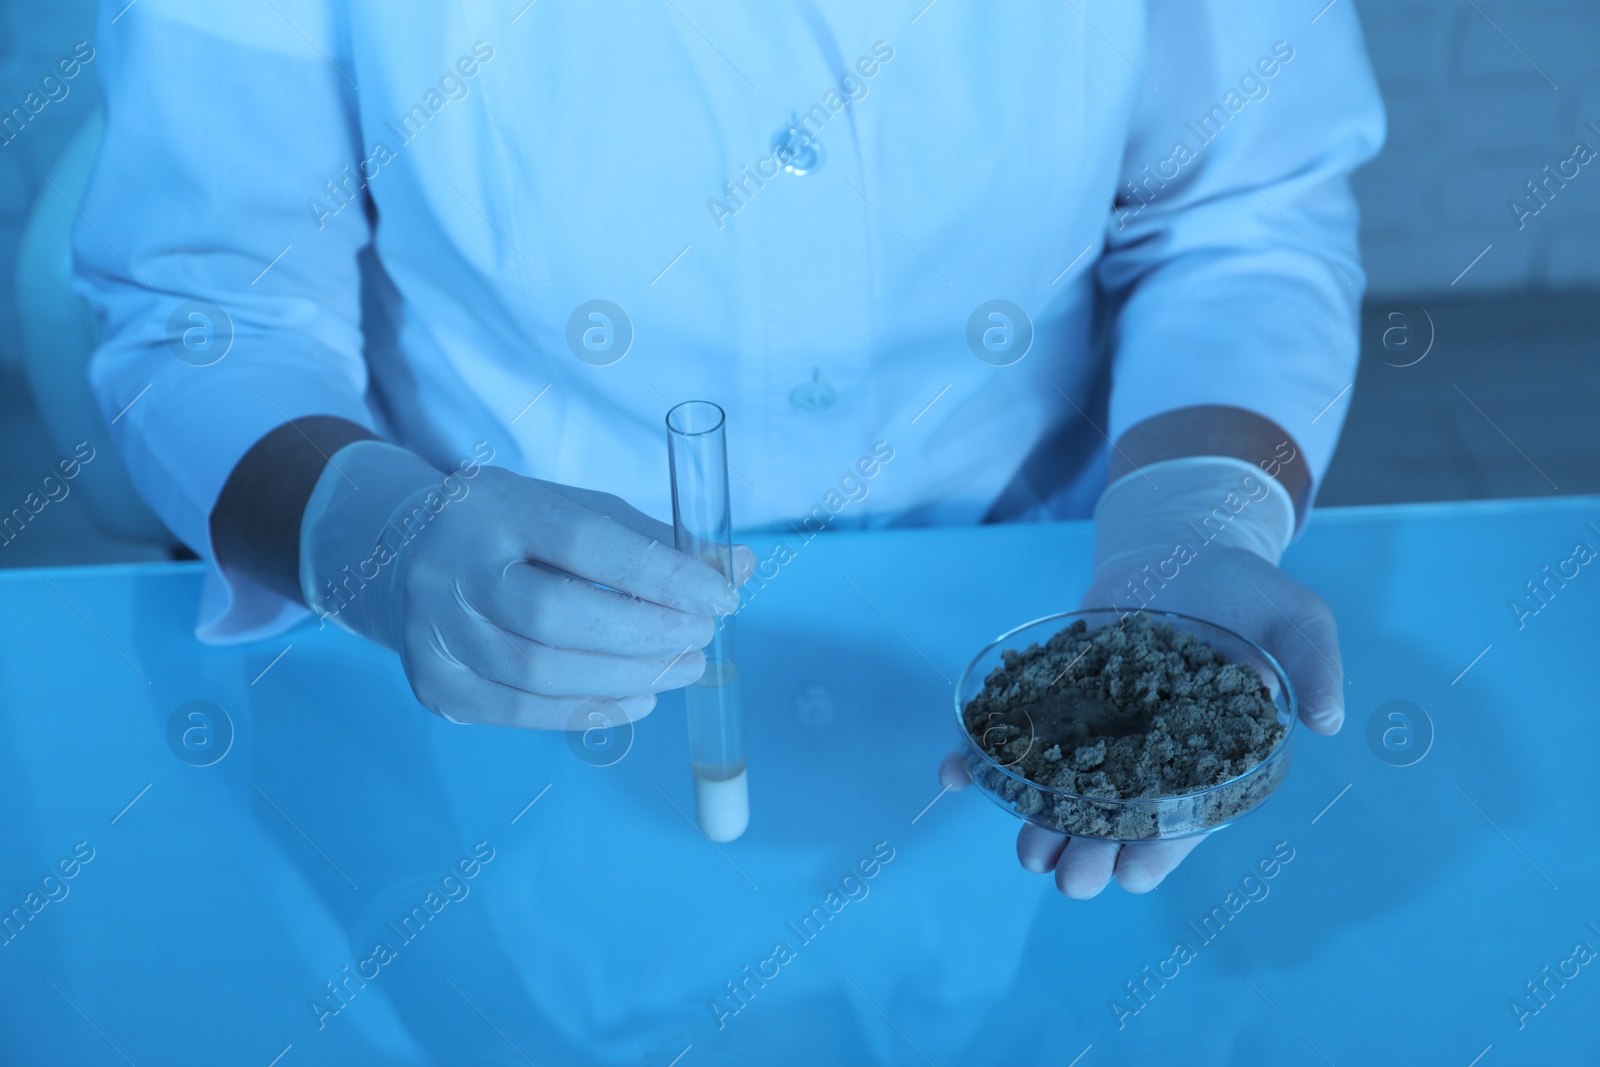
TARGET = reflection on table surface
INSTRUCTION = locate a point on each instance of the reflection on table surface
(231, 855)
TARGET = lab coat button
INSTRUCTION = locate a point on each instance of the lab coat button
(796, 149)
(815, 395)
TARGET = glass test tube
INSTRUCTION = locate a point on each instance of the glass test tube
(702, 527)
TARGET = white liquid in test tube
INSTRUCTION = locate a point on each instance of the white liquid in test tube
(721, 790)
(702, 528)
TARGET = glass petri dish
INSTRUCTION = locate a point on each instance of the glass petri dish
(1142, 818)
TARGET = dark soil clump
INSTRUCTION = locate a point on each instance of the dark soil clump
(1129, 710)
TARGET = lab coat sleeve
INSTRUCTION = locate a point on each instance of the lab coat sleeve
(1231, 252)
(223, 122)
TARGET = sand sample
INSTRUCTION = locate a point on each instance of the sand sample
(1128, 711)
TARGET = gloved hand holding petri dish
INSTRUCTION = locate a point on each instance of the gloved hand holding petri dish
(1191, 544)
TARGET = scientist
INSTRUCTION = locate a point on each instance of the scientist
(391, 309)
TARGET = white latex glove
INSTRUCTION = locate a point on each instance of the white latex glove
(487, 585)
(1231, 580)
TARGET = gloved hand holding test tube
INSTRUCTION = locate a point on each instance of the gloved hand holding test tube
(702, 528)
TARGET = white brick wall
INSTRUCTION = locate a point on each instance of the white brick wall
(1473, 115)
(1470, 120)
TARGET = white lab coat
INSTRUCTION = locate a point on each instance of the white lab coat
(487, 172)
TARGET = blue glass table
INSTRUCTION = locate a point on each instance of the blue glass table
(271, 854)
